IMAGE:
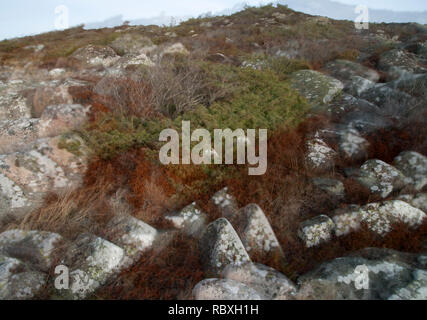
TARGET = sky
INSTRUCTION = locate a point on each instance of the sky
(27, 17)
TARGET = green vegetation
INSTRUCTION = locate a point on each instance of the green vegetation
(258, 99)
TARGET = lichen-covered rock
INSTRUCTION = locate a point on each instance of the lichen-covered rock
(23, 286)
(352, 145)
(319, 155)
(8, 267)
(360, 114)
(344, 70)
(414, 166)
(333, 187)
(413, 84)
(131, 43)
(131, 234)
(57, 72)
(398, 62)
(175, 49)
(58, 119)
(92, 262)
(357, 85)
(379, 217)
(12, 197)
(415, 290)
(33, 247)
(380, 177)
(46, 96)
(255, 231)
(13, 104)
(268, 281)
(316, 231)
(224, 289)
(34, 171)
(123, 63)
(190, 219)
(418, 201)
(317, 88)
(371, 274)
(49, 164)
(388, 98)
(93, 55)
(225, 202)
(221, 246)
(16, 135)
(347, 221)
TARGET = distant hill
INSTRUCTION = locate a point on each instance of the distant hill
(342, 11)
(327, 8)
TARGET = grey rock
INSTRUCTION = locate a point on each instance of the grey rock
(414, 166)
(392, 102)
(344, 70)
(131, 43)
(221, 246)
(357, 85)
(255, 231)
(333, 187)
(268, 281)
(412, 84)
(352, 145)
(131, 234)
(33, 247)
(224, 289)
(347, 220)
(380, 216)
(418, 201)
(371, 274)
(93, 55)
(398, 62)
(316, 231)
(320, 156)
(23, 286)
(190, 219)
(317, 88)
(92, 261)
(380, 177)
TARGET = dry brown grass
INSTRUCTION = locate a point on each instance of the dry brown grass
(72, 212)
(168, 273)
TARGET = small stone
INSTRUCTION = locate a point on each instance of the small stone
(316, 231)
(333, 187)
(380, 177)
(352, 145)
(191, 219)
(348, 221)
(320, 156)
(132, 235)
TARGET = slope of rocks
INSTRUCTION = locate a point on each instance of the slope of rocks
(39, 153)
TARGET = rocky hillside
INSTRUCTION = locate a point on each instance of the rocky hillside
(344, 195)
